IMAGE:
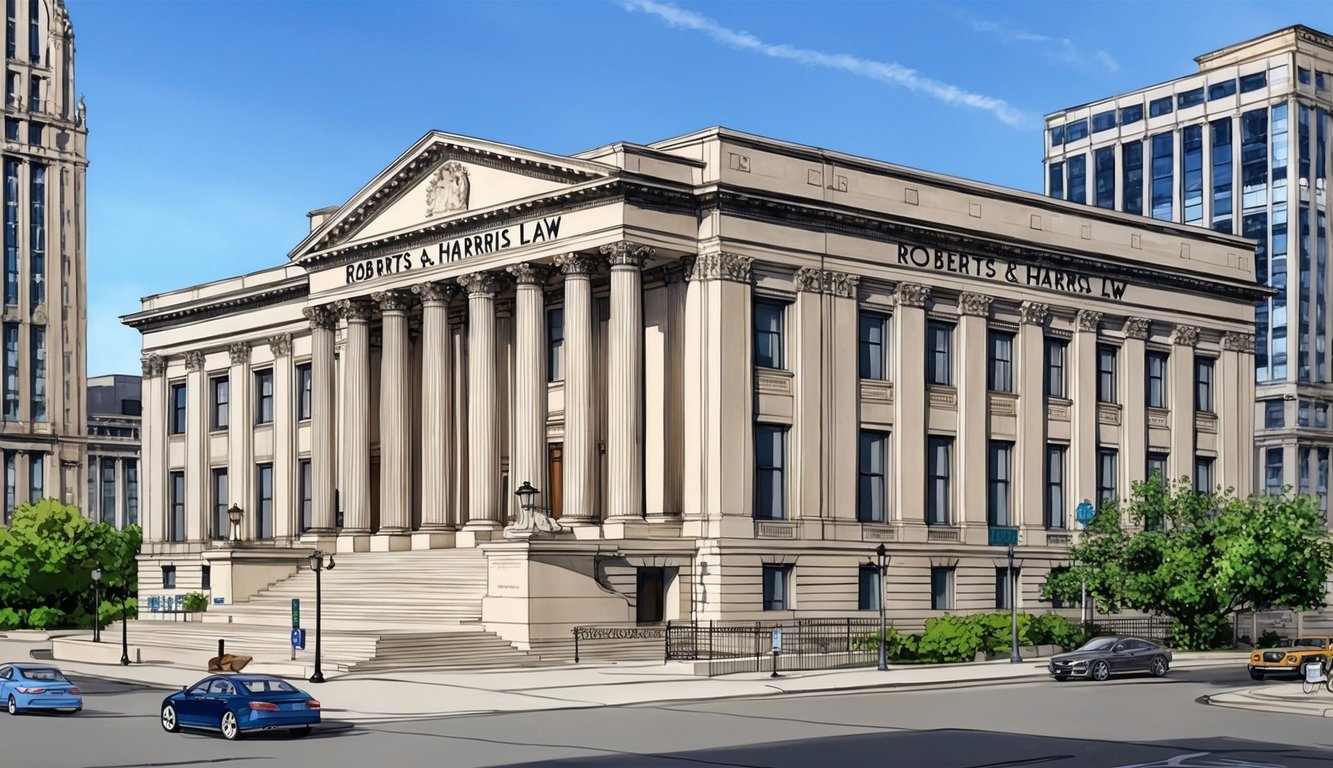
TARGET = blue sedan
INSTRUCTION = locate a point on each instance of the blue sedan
(25, 687)
(234, 704)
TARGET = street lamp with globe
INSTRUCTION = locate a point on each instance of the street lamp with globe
(317, 565)
(234, 517)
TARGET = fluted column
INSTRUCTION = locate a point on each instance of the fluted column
(483, 441)
(354, 535)
(624, 439)
(436, 417)
(580, 443)
(528, 455)
(458, 439)
(395, 432)
(323, 421)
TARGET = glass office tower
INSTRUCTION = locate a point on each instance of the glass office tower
(1242, 147)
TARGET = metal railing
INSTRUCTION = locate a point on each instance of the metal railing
(612, 632)
(731, 647)
(1154, 628)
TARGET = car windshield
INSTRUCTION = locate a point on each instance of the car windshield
(268, 686)
(1098, 644)
(1309, 642)
(50, 675)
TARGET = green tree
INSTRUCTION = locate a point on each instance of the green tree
(1198, 558)
(47, 556)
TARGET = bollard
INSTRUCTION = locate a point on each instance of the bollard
(221, 646)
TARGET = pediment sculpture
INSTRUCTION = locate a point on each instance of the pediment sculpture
(448, 190)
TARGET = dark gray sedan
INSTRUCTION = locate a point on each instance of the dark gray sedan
(1101, 657)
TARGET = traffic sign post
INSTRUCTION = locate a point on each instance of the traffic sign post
(1006, 536)
(296, 612)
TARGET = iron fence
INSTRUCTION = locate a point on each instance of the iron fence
(1154, 628)
(617, 633)
(732, 647)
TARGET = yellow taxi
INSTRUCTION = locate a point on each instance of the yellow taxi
(1290, 659)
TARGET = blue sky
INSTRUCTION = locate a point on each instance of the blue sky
(215, 126)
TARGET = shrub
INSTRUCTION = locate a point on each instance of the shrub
(196, 602)
(1050, 629)
(897, 646)
(46, 617)
(950, 638)
(12, 619)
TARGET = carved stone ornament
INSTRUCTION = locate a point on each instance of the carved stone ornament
(435, 293)
(1186, 335)
(239, 352)
(392, 300)
(480, 283)
(912, 295)
(1088, 321)
(840, 284)
(809, 280)
(576, 263)
(626, 253)
(975, 304)
(322, 318)
(194, 360)
(529, 274)
(354, 309)
(1238, 342)
(448, 189)
(1137, 327)
(1034, 313)
(280, 345)
(721, 266)
(153, 365)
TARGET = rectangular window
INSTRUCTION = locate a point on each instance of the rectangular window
(1000, 375)
(1103, 121)
(1056, 175)
(306, 490)
(35, 31)
(1131, 114)
(770, 458)
(1203, 384)
(1106, 368)
(939, 353)
(1078, 179)
(176, 417)
(303, 384)
(1005, 583)
(1303, 75)
(11, 29)
(999, 475)
(1191, 176)
(867, 588)
(1203, 474)
(941, 588)
(1103, 161)
(1275, 416)
(873, 469)
(37, 232)
(221, 494)
(1321, 478)
(36, 477)
(555, 344)
(1222, 90)
(1055, 367)
(1163, 169)
(11, 372)
(176, 529)
(1131, 163)
(168, 577)
(777, 587)
(768, 346)
(38, 373)
(108, 474)
(1190, 98)
(1076, 131)
(939, 452)
(131, 467)
(1055, 487)
(1156, 467)
(11, 484)
(1058, 136)
(1156, 364)
(91, 511)
(1222, 185)
(1273, 471)
(1106, 470)
(206, 578)
(11, 231)
(11, 129)
(221, 389)
(1159, 107)
(264, 501)
(264, 397)
(873, 355)
(35, 131)
(35, 94)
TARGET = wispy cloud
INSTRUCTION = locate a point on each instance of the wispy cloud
(882, 71)
(1058, 48)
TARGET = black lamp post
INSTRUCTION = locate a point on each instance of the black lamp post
(526, 494)
(97, 607)
(234, 517)
(124, 621)
(317, 565)
(884, 560)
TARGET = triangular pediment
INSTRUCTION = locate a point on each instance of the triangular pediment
(443, 177)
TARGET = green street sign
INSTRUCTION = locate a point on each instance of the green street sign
(296, 612)
(1003, 537)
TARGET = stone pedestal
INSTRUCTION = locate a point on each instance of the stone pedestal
(390, 542)
(354, 542)
(433, 539)
(472, 536)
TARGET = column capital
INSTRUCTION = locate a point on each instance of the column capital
(393, 300)
(1034, 313)
(1088, 321)
(153, 365)
(840, 284)
(576, 263)
(912, 295)
(626, 253)
(1137, 327)
(441, 293)
(1185, 335)
(1238, 342)
(974, 304)
(239, 352)
(528, 273)
(721, 266)
(280, 345)
(194, 360)
(480, 283)
(354, 309)
(322, 317)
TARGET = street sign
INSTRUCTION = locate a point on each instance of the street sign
(296, 612)
(1003, 536)
(777, 640)
(1084, 512)
(298, 639)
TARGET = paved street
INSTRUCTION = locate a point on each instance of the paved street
(1138, 722)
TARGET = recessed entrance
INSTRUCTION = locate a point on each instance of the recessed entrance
(651, 595)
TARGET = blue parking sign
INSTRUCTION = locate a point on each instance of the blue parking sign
(1084, 512)
(298, 639)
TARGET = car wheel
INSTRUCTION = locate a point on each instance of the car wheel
(1100, 671)
(12, 705)
(231, 730)
(301, 732)
(1256, 674)
(1061, 678)
(1157, 667)
(170, 723)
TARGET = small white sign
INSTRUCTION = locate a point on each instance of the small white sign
(777, 640)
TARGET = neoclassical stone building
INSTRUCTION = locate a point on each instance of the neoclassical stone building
(730, 366)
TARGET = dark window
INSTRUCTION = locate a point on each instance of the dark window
(1131, 114)
(770, 454)
(1103, 121)
(1159, 107)
(1055, 367)
(264, 397)
(38, 370)
(1275, 416)
(1103, 161)
(938, 466)
(867, 588)
(1131, 162)
(874, 345)
(1203, 474)
(108, 474)
(1222, 90)
(1000, 375)
(206, 578)
(176, 531)
(1190, 98)
(221, 494)
(941, 588)
(221, 416)
(168, 577)
(1203, 384)
(35, 131)
(555, 344)
(1191, 177)
(1222, 185)
(939, 353)
(999, 478)
(1156, 469)
(1253, 82)
(1056, 174)
(37, 232)
(777, 587)
(1302, 75)
(1005, 583)
(1078, 179)
(1057, 136)
(873, 469)
(1055, 487)
(1273, 471)
(131, 467)
(306, 489)
(1106, 480)
(1076, 130)
(176, 420)
(264, 501)
(1163, 159)
(768, 347)
(1157, 362)
(1106, 368)
(11, 129)
(303, 385)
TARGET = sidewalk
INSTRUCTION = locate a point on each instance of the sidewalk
(371, 697)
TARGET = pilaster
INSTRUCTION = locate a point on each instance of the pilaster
(1082, 381)
(240, 443)
(909, 403)
(1180, 381)
(1134, 403)
(196, 448)
(1233, 393)
(972, 445)
(1030, 452)
(286, 504)
(153, 491)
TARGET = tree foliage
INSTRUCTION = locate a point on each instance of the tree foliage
(47, 557)
(1198, 558)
